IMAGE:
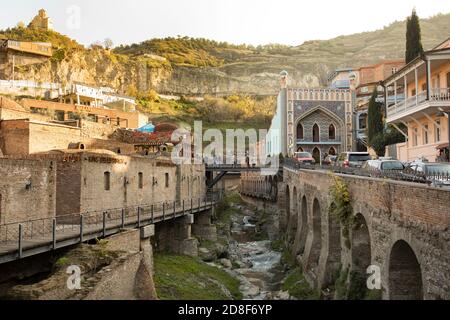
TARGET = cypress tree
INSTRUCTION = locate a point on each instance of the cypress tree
(374, 117)
(413, 38)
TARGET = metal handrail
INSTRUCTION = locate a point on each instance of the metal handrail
(51, 227)
(400, 175)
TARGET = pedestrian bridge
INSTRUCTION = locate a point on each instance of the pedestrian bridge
(28, 238)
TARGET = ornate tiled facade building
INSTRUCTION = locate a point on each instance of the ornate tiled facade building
(319, 121)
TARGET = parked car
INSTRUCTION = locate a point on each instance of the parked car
(381, 165)
(304, 157)
(330, 160)
(435, 173)
(352, 159)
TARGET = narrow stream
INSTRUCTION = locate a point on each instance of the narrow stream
(259, 269)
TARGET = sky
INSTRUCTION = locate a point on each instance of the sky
(289, 22)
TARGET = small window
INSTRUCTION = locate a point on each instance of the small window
(141, 180)
(414, 137)
(425, 134)
(107, 180)
(438, 131)
(394, 70)
(167, 180)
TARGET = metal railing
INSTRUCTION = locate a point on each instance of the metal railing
(436, 178)
(53, 229)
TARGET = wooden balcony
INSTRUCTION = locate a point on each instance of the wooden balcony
(439, 98)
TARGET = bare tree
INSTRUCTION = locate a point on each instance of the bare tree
(108, 43)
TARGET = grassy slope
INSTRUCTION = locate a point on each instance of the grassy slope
(185, 278)
(351, 50)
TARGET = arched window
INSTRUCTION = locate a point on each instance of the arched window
(316, 154)
(332, 132)
(300, 149)
(332, 151)
(107, 180)
(299, 131)
(141, 180)
(316, 133)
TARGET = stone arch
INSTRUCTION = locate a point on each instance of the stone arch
(327, 112)
(287, 207)
(332, 151)
(314, 254)
(361, 257)
(405, 274)
(316, 154)
(302, 229)
(334, 246)
(293, 219)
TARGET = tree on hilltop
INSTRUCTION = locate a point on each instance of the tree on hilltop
(414, 46)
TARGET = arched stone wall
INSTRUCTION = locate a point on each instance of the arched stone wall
(334, 249)
(405, 274)
(394, 236)
(316, 245)
(293, 218)
(302, 228)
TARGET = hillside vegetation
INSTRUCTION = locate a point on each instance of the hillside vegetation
(238, 82)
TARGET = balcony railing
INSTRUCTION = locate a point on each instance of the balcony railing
(322, 141)
(436, 95)
(440, 94)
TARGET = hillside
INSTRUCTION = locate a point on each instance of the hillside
(199, 66)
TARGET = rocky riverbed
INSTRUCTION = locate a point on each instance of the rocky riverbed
(249, 255)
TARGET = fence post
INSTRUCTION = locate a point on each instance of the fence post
(139, 217)
(123, 218)
(20, 240)
(104, 223)
(153, 220)
(81, 227)
(54, 233)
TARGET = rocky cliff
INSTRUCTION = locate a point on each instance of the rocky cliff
(199, 66)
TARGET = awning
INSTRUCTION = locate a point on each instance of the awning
(148, 128)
